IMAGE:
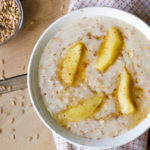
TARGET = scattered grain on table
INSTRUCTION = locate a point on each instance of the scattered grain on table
(9, 88)
(3, 77)
(2, 87)
(13, 136)
(30, 104)
(62, 7)
(12, 129)
(37, 136)
(23, 67)
(1, 131)
(2, 61)
(22, 111)
(14, 103)
(32, 23)
(22, 104)
(1, 110)
(12, 120)
(3, 72)
(30, 138)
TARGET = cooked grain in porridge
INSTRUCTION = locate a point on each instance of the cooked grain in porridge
(88, 81)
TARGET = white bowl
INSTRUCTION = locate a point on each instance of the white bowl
(33, 83)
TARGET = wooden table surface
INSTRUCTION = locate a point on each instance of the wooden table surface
(20, 128)
(38, 15)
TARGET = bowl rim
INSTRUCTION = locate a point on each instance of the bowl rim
(19, 23)
(139, 130)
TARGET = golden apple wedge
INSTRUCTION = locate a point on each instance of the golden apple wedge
(124, 93)
(83, 110)
(109, 50)
(70, 63)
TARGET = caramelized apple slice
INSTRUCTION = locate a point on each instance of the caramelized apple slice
(109, 49)
(83, 110)
(124, 93)
(70, 63)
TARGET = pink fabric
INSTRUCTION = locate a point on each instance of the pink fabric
(141, 8)
(138, 144)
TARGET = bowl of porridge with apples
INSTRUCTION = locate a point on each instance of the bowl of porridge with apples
(89, 77)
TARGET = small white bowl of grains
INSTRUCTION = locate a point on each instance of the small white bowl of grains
(11, 19)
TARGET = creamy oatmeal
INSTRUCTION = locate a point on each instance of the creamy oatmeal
(107, 121)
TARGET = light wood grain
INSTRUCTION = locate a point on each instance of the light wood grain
(38, 15)
(14, 57)
(26, 124)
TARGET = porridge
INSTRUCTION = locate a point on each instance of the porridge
(94, 75)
